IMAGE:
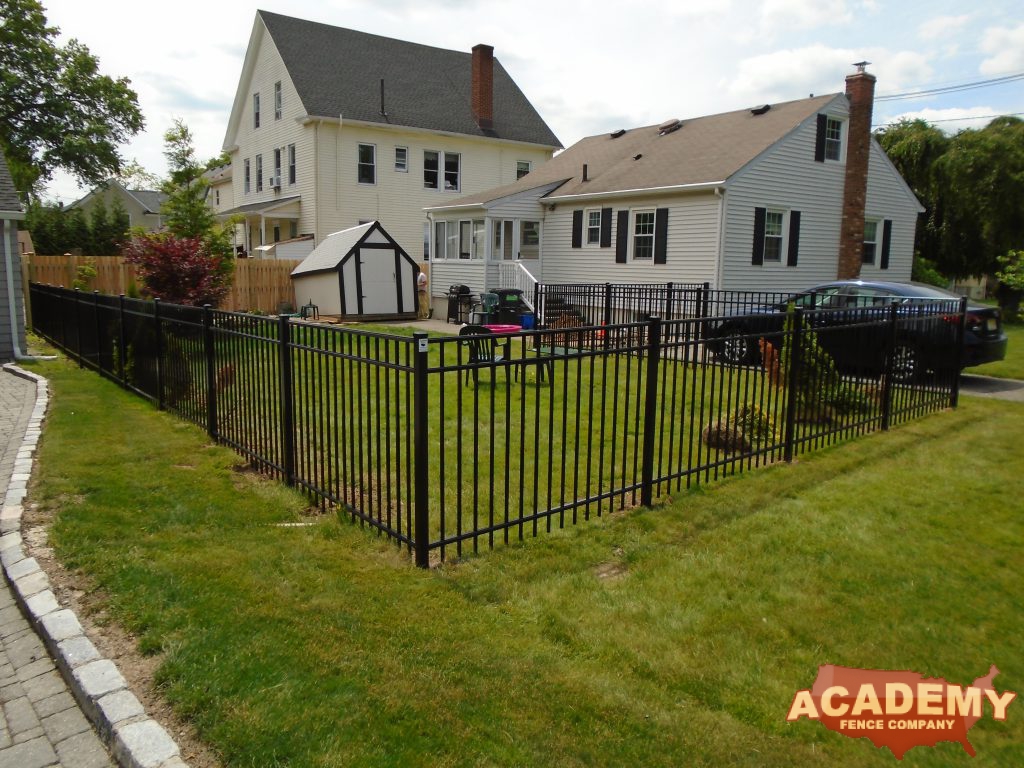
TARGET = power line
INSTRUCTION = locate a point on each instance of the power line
(953, 88)
(955, 119)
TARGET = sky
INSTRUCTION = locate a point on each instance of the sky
(587, 67)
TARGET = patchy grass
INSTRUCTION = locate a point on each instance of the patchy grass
(1012, 367)
(665, 637)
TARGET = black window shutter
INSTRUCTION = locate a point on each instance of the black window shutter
(886, 243)
(606, 227)
(577, 229)
(660, 235)
(819, 140)
(757, 254)
(621, 236)
(794, 238)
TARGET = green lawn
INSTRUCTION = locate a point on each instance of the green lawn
(1013, 366)
(666, 637)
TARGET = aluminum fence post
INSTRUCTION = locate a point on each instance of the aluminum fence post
(78, 328)
(795, 342)
(122, 346)
(211, 372)
(954, 395)
(421, 477)
(287, 401)
(887, 371)
(158, 326)
(650, 412)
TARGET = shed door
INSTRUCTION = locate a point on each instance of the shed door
(379, 281)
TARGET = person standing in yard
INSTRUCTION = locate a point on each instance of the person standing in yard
(424, 303)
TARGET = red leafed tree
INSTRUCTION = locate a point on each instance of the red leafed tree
(179, 270)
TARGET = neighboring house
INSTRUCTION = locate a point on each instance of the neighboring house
(142, 205)
(749, 200)
(332, 128)
(220, 197)
(12, 302)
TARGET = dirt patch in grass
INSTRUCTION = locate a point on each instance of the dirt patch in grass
(75, 591)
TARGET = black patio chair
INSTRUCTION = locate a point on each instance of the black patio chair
(483, 349)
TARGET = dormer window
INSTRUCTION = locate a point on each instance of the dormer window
(833, 139)
(828, 141)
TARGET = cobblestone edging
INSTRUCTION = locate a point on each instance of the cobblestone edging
(135, 739)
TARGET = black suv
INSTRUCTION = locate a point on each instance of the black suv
(851, 331)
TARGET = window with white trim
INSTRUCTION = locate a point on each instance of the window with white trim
(833, 139)
(277, 100)
(479, 239)
(439, 230)
(643, 235)
(367, 166)
(451, 250)
(452, 171)
(277, 166)
(245, 176)
(256, 110)
(465, 239)
(773, 229)
(594, 226)
(432, 169)
(291, 163)
(523, 167)
(259, 173)
(870, 241)
(401, 159)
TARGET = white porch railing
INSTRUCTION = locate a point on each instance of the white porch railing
(512, 274)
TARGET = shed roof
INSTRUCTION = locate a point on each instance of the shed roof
(337, 71)
(335, 247)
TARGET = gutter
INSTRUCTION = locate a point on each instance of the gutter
(703, 186)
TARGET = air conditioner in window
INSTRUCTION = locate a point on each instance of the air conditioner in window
(275, 182)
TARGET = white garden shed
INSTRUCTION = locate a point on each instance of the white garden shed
(358, 272)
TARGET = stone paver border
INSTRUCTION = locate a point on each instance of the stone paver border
(135, 739)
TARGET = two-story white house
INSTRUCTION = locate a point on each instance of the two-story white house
(332, 128)
(778, 197)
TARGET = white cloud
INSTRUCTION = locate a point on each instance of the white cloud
(942, 27)
(1005, 49)
(794, 73)
(805, 14)
(947, 120)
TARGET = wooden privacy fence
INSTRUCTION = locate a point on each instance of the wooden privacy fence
(260, 285)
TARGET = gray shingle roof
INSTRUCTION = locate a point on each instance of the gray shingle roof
(9, 200)
(337, 71)
(703, 151)
(151, 198)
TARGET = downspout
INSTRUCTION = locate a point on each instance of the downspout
(9, 263)
(720, 261)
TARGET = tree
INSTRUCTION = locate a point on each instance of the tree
(185, 210)
(133, 176)
(178, 269)
(56, 109)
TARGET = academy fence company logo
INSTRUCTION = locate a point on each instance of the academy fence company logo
(898, 710)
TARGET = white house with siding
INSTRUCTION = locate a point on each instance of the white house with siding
(746, 200)
(332, 128)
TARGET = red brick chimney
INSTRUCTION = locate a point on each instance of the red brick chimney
(483, 85)
(860, 91)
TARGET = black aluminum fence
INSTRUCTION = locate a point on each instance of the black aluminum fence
(451, 444)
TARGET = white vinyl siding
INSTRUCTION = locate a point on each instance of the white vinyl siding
(889, 198)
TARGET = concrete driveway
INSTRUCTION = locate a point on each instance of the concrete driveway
(987, 386)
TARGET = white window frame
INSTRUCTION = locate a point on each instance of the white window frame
(259, 173)
(402, 159)
(246, 176)
(291, 164)
(780, 237)
(634, 216)
(360, 164)
(277, 164)
(438, 241)
(278, 100)
(457, 186)
(590, 229)
(520, 172)
(874, 242)
(436, 171)
(835, 145)
(256, 110)
(216, 197)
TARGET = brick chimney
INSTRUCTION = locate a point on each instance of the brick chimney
(483, 85)
(860, 91)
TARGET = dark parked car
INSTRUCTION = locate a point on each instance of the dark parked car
(850, 328)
